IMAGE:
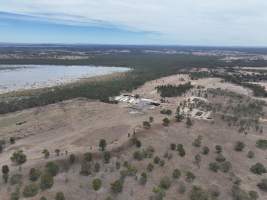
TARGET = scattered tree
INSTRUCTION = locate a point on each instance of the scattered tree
(96, 184)
(12, 140)
(60, 196)
(18, 157)
(166, 122)
(173, 146)
(146, 125)
(150, 167)
(106, 156)
(165, 183)
(263, 185)
(46, 181)
(197, 160)
(197, 193)
(30, 190)
(46, 153)
(258, 168)
(97, 167)
(5, 172)
(180, 149)
(143, 178)
(88, 157)
(218, 149)
(34, 174)
(189, 122)
(262, 144)
(205, 150)
(72, 159)
(57, 151)
(52, 168)
(239, 146)
(102, 144)
(176, 173)
(251, 154)
(213, 166)
(197, 141)
(190, 177)
(117, 186)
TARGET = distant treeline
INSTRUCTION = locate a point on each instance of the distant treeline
(173, 90)
(146, 67)
(239, 79)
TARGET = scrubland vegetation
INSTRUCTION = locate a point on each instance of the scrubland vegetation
(170, 154)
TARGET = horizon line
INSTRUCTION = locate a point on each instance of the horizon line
(116, 44)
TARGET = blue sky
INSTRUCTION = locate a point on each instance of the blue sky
(177, 22)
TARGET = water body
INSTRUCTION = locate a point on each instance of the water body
(21, 77)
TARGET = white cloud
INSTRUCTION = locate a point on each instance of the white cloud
(211, 22)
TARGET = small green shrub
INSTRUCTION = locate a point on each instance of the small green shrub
(239, 146)
(173, 146)
(97, 167)
(72, 159)
(220, 158)
(137, 155)
(251, 154)
(30, 190)
(225, 166)
(146, 125)
(253, 195)
(166, 112)
(34, 174)
(181, 188)
(117, 186)
(190, 177)
(213, 166)
(16, 179)
(218, 149)
(52, 168)
(88, 157)
(181, 150)
(176, 174)
(156, 160)
(197, 193)
(96, 184)
(85, 169)
(60, 196)
(214, 192)
(106, 156)
(165, 183)
(239, 194)
(46, 181)
(263, 185)
(262, 144)
(197, 141)
(143, 178)
(166, 122)
(205, 150)
(15, 195)
(258, 168)
(150, 167)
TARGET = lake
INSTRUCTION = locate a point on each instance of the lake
(21, 77)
